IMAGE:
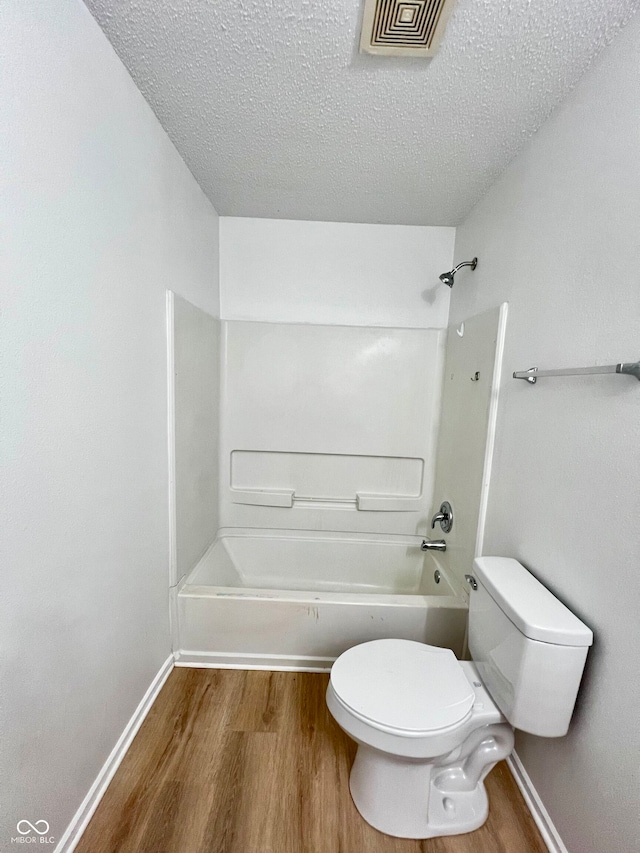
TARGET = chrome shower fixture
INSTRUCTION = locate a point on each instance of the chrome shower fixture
(447, 277)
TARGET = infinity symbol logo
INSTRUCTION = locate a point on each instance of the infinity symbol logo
(41, 827)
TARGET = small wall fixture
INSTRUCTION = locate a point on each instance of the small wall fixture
(447, 277)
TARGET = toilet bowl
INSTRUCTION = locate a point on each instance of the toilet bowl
(429, 728)
(427, 732)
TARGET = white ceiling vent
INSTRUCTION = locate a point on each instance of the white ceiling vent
(404, 27)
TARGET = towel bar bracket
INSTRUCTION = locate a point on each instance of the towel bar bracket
(630, 368)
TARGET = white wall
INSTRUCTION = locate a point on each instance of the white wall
(558, 238)
(334, 272)
(194, 344)
(98, 216)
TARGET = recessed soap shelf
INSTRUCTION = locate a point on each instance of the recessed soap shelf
(287, 498)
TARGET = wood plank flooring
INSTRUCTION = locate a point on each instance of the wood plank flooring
(231, 761)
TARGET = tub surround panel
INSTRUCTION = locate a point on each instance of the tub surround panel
(473, 363)
(328, 427)
(194, 391)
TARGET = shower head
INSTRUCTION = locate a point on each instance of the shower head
(447, 277)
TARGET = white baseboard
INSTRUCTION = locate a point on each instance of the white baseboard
(232, 660)
(539, 813)
(80, 820)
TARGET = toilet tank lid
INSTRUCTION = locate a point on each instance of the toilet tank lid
(529, 604)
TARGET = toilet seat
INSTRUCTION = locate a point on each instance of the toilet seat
(402, 687)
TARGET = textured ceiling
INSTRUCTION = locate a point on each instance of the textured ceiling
(277, 114)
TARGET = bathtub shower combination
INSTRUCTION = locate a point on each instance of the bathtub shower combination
(292, 599)
(326, 464)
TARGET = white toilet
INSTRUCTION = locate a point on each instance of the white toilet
(429, 727)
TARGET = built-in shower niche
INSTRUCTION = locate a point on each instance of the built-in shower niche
(326, 481)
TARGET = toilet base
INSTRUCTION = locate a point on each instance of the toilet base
(418, 798)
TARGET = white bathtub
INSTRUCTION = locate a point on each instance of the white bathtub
(282, 599)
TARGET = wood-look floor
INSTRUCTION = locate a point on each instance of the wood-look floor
(252, 762)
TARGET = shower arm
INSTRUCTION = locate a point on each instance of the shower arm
(471, 264)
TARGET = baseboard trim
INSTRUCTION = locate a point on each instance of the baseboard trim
(232, 660)
(539, 813)
(80, 820)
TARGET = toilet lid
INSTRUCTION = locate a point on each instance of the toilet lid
(403, 685)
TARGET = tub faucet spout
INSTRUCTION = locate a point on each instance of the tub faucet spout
(433, 545)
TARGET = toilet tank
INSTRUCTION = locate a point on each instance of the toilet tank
(529, 648)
